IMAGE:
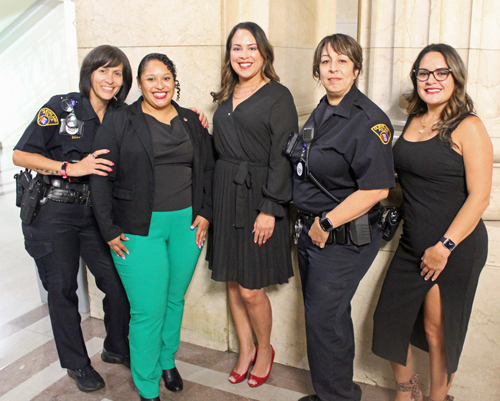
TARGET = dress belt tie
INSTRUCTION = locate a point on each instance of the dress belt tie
(243, 180)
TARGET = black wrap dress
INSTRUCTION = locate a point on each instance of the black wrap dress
(432, 176)
(252, 175)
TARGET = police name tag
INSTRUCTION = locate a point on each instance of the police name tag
(300, 169)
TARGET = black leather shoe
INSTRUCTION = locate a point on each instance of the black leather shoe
(173, 380)
(312, 397)
(149, 399)
(111, 357)
(87, 379)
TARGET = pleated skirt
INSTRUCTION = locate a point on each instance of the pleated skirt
(232, 253)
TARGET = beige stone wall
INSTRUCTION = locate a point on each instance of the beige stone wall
(392, 32)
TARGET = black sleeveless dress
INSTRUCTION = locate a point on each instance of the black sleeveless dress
(432, 176)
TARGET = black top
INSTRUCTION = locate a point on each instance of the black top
(273, 104)
(42, 134)
(173, 164)
(432, 177)
(351, 150)
(123, 201)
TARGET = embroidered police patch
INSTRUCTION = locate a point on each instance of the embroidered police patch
(383, 132)
(47, 117)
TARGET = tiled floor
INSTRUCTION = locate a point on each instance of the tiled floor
(29, 368)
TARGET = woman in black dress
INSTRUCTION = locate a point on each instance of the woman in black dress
(444, 161)
(252, 188)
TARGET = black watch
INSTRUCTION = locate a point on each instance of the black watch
(448, 243)
(326, 224)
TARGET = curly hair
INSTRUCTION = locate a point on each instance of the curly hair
(165, 60)
(458, 107)
(229, 78)
(106, 56)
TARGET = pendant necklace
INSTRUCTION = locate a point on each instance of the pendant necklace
(422, 130)
(243, 90)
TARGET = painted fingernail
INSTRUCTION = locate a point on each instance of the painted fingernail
(127, 252)
(192, 227)
(117, 255)
(107, 150)
(127, 238)
(260, 244)
(123, 257)
(112, 164)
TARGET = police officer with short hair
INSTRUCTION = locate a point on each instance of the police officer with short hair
(343, 168)
(57, 144)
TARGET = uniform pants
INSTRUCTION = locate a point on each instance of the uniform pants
(56, 239)
(156, 275)
(330, 277)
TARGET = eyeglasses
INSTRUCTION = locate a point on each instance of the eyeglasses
(440, 74)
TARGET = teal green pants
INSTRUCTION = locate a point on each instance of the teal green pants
(156, 275)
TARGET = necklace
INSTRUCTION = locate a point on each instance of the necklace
(422, 130)
(243, 91)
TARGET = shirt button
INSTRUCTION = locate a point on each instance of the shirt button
(228, 114)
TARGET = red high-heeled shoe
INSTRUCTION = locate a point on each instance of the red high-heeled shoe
(239, 377)
(261, 380)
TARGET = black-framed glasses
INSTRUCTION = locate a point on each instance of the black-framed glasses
(422, 74)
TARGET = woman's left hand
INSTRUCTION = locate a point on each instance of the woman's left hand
(263, 228)
(434, 261)
(203, 118)
(202, 223)
(317, 234)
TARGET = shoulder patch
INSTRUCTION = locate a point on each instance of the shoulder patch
(383, 132)
(47, 117)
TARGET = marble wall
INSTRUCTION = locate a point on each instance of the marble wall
(392, 32)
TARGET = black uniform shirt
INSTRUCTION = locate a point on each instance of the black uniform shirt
(351, 150)
(42, 135)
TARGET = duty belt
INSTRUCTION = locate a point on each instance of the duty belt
(308, 218)
(74, 196)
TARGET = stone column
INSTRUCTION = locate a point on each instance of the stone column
(392, 33)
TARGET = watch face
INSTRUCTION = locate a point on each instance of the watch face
(326, 224)
(448, 243)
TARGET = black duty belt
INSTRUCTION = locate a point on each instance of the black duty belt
(340, 235)
(70, 195)
(80, 186)
(309, 218)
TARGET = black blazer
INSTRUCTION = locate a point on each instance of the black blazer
(123, 201)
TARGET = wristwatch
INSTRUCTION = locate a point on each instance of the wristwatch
(326, 224)
(63, 170)
(448, 243)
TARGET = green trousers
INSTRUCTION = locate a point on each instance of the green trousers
(156, 275)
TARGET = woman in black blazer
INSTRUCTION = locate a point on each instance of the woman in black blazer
(154, 209)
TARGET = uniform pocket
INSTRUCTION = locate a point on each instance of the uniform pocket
(38, 249)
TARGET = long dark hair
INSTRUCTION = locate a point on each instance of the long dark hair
(106, 56)
(460, 104)
(229, 78)
(165, 60)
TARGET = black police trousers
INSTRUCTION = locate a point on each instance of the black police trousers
(330, 277)
(56, 239)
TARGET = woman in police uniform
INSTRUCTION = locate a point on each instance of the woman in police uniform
(57, 144)
(346, 147)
